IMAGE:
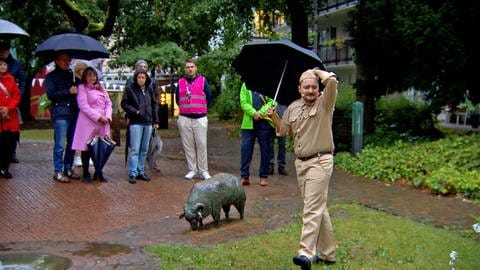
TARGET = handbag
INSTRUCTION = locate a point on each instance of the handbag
(19, 114)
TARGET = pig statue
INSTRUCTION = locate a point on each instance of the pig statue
(208, 196)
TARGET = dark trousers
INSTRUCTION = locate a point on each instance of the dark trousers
(7, 140)
(249, 136)
(281, 152)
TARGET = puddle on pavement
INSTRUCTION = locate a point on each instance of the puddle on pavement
(102, 250)
(33, 261)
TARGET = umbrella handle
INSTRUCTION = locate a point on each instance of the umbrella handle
(281, 79)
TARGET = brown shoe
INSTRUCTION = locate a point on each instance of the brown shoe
(61, 178)
(245, 182)
(263, 182)
(70, 174)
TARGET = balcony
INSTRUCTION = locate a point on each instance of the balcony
(328, 6)
(336, 55)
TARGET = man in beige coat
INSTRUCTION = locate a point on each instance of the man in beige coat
(308, 121)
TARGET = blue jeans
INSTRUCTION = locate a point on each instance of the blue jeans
(139, 140)
(281, 152)
(63, 130)
(248, 143)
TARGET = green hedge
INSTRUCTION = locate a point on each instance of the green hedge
(446, 166)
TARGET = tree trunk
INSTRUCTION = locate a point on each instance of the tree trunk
(299, 24)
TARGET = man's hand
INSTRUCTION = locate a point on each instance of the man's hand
(323, 75)
(271, 111)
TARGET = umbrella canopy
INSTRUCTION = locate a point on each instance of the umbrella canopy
(10, 30)
(154, 148)
(100, 148)
(76, 45)
(274, 67)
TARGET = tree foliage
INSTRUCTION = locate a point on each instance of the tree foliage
(192, 25)
(417, 43)
(43, 18)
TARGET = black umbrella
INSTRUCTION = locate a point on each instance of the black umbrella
(100, 148)
(274, 67)
(10, 30)
(76, 45)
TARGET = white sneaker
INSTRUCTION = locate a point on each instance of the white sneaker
(205, 175)
(77, 162)
(190, 175)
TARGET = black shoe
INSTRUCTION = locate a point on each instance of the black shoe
(303, 262)
(5, 174)
(282, 171)
(143, 177)
(87, 178)
(70, 174)
(131, 179)
(270, 170)
(14, 160)
(100, 177)
(316, 259)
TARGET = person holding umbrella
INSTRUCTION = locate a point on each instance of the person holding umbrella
(308, 121)
(140, 104)
(62, 91)
(255, 126)
(93, 119)
(9, 124)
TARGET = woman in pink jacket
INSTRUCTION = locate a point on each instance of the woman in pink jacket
(93, 120)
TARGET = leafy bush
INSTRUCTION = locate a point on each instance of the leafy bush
(345, 98)
(397, 113)
(227, 104)
(447, 166)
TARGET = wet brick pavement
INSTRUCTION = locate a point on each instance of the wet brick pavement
(107, 225)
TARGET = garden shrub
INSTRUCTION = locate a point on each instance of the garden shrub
(397, 113)
(446, 166)
(227, 104)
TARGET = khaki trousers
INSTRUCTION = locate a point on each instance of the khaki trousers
(313, 177)
(194, 140)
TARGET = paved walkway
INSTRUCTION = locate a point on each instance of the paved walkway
(106, 225)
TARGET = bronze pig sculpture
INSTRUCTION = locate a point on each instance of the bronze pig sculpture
(208, 196)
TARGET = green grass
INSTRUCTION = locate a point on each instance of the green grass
(367, 239)
(36, 134)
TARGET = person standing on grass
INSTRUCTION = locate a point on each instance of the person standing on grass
(193, 97)
(308, 121)
(62, 91)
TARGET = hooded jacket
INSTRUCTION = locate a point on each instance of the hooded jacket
(141, 106)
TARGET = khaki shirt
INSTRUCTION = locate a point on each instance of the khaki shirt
(310, 125)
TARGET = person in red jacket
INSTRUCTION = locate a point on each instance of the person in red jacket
(9, 124)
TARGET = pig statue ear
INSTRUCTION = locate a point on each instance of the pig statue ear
(198, 208)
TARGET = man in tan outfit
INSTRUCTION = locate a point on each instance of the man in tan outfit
(308, 121)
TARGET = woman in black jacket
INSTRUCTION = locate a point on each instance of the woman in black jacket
(140, 104)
